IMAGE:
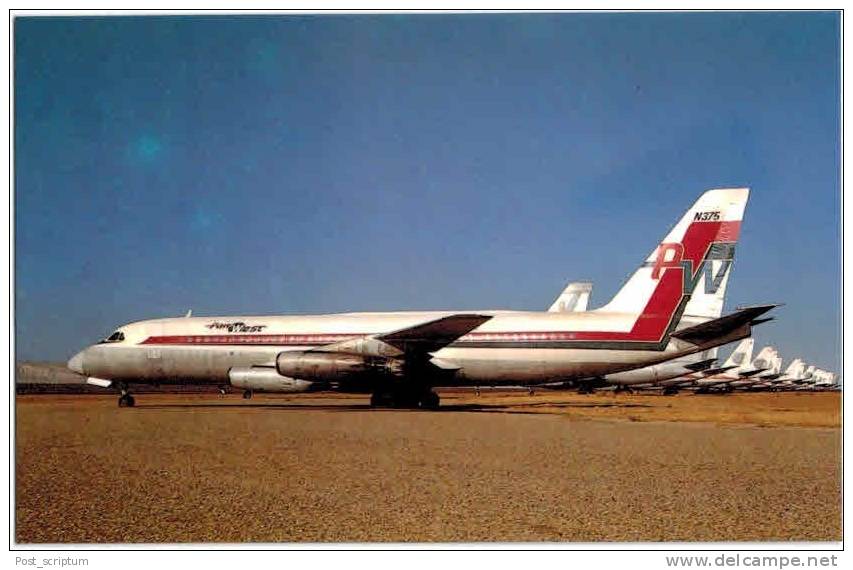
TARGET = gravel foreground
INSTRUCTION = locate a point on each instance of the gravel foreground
(202, 468)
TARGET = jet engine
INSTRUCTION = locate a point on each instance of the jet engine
(333, 366)
(266, 380)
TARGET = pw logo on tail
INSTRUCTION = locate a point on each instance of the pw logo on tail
(671, 255)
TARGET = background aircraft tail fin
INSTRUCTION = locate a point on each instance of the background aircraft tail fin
(795, 369)
(777, 365)
(575, 297)
(742, 354)
(765, 359)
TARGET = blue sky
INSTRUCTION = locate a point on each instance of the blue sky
(264, 165)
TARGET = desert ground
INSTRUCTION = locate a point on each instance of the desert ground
(503, 466)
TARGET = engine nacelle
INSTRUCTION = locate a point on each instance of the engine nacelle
(266, 380)
(332, 366)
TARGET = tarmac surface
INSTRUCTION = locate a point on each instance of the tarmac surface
(504, 467)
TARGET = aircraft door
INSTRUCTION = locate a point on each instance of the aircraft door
(155, 363)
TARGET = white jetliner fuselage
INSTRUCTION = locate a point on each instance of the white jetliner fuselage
(511, 347)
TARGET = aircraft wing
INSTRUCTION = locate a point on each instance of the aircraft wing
(433, 335)
(716, 328)
(415, 341)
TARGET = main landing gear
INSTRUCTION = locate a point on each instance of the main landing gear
(247, 395)
(424, 399)
(125, 400)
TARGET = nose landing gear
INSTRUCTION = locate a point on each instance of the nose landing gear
(125, 399)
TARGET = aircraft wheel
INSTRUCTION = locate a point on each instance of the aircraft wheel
(381, 400)
(430, 401)
(406, 400)
(126, 401)
(247, 395)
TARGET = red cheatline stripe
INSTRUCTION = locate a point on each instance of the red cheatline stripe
(315, 340)
(237, 339)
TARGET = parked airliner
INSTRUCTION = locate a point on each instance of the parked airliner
(668, 308)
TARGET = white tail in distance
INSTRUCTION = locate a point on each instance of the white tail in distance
(741, 356)
(575, 297)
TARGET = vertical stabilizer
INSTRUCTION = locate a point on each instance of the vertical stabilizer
(574, 298)
(766, 359)
(777, 365)
(683, 281)
(741, 356)
(795, 370)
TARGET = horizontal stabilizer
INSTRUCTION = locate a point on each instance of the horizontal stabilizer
(720, 370)
(701, 365)
(433, 335)
(748, 373)
(716, 328)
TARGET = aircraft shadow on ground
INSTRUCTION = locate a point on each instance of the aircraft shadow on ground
(533, 408)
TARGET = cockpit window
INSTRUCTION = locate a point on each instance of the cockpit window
(117, 336)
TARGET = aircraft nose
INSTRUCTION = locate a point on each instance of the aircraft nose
(76, 362)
